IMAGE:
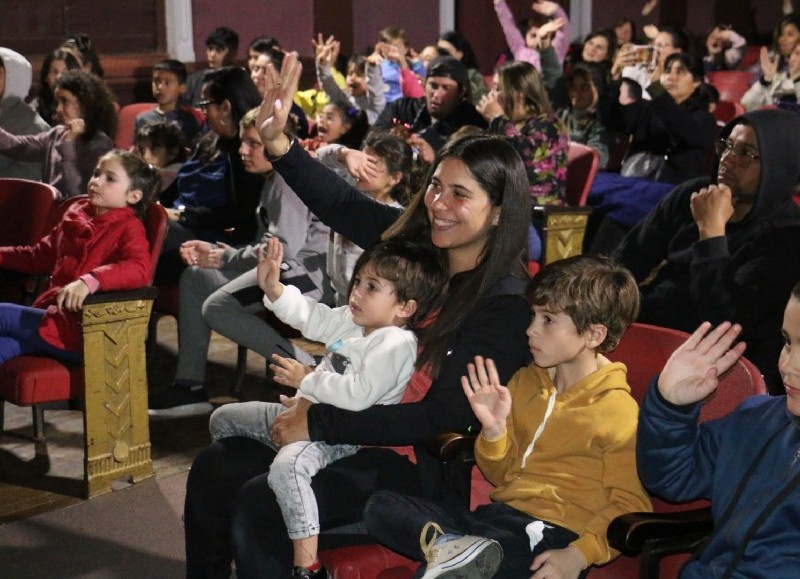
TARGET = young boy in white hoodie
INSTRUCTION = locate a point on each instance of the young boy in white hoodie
(558, 443)
(371, 353)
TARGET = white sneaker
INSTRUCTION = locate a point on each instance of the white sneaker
(459, 556)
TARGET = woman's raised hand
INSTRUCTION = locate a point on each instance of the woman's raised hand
(693, 370)
(280, 88)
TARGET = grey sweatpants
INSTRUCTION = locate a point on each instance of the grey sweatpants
(293, 467)
(226, 301)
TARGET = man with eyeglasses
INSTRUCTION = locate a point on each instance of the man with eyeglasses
(728, 247)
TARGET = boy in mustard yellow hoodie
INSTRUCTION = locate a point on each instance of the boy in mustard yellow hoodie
(558, 443)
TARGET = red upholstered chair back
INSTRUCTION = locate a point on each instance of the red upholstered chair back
(726, 111)
(155, 224)
(25, 210)
(731, 84)
(644, 349)
(125, 123)
(582, 163)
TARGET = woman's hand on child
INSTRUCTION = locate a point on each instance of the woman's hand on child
(564, 563)
(280, 88)
(692, 372)
(488, 106)
(490, 401)
(291, 425)
(289, 372)
(71, 296)
(268, 270)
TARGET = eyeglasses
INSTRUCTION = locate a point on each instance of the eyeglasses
(742, 154)
(203, 105)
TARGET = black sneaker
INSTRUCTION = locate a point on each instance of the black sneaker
(303, 573)
(178, 402)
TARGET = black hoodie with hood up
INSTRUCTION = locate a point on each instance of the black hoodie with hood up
(744, 277)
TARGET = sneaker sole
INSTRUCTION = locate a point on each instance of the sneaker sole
(482, 560)
(196, 409)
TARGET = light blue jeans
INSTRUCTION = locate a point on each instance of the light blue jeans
(294, 466)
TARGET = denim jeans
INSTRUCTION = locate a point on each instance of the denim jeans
(397, 521)
(294, 466)
(19, 335)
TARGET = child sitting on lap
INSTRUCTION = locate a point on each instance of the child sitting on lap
(558, 443)
(371, 356)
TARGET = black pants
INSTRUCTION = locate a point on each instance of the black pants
(230, 511)
(397, 521)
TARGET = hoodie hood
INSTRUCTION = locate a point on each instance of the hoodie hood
(18, 74)
(776, 134)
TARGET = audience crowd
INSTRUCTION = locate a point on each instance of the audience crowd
(441, 157)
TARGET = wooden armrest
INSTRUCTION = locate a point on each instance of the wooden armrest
(682, 530)
(449, 445)
(563, 230)
(142, 293)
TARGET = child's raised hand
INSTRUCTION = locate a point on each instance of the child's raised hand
(566, 563)
(693, 370)
(490, 401)
(544, 7)
(268, 270)
(769, 63)
(288, 372)
(280, 88)
(71, 296)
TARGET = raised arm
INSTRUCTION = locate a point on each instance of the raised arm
(340, 206)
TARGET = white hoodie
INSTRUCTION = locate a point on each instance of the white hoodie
(15, 116)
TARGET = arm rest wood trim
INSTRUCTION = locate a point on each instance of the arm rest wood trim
(634, 533)
(450, 445)
(116, 424)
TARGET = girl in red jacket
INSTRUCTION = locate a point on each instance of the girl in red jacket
(100, 244)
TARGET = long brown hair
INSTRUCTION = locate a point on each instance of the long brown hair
(498, 169)
(521, 78)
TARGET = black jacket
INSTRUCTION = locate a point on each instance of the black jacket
(683, 132)
(745, 276)
(414, 112)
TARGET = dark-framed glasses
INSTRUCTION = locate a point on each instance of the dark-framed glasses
(743, 154)
(203, 105)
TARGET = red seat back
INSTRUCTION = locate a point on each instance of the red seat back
(726, 111)
(582, 163)
(731, 84)
(126, 121)
(25, 210)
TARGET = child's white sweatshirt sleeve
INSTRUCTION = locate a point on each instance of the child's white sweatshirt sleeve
(314, 320)
(381, 365)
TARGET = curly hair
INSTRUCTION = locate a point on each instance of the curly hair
(96, 102)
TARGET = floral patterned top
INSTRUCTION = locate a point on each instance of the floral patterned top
(542, 142)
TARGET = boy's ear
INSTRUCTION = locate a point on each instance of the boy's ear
(408, 309)
(595, 335)
(395, 178)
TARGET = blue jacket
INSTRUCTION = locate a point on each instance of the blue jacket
(681, 460)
